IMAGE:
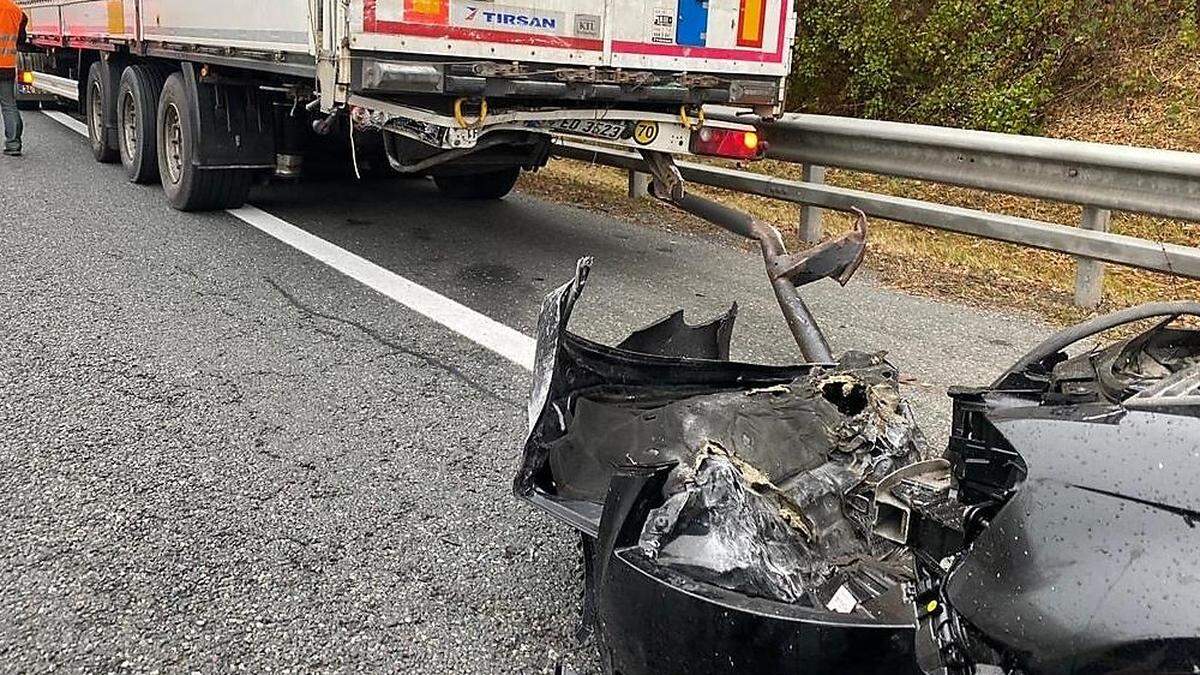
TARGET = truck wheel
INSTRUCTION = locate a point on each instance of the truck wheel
(189, 187)
(137, 121)
(98, 107)
(480, 186)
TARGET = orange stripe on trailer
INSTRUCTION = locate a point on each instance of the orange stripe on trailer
(752, 21)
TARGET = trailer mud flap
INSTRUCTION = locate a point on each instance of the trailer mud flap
(110, 72)
(234, 123)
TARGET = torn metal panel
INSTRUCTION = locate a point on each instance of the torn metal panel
(568, 364)
(552, 321)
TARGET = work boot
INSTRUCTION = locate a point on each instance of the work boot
(12, 150)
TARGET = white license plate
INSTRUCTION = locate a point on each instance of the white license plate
(613, 131)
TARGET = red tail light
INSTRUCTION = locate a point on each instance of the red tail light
(730, 143)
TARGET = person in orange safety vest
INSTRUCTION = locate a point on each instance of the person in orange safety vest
(12, 36)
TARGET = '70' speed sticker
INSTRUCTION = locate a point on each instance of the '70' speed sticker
(645, 133)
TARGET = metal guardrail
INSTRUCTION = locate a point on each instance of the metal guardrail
(1120, 178)
(1101, 178)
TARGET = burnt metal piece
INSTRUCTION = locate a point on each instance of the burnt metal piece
(652, 619)
(915, 503)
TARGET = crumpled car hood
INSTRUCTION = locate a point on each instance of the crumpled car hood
(1076, 480)
(1091, 566)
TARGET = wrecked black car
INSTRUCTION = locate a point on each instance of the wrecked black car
(744, 518)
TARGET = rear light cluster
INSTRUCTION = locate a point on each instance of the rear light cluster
(27, 77)
(728, 143)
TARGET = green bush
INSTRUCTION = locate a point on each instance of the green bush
(988, 64)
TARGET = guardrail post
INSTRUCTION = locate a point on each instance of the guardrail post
(811, 228)
(1089, 274)
(639, 184)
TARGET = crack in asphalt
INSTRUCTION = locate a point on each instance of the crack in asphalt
(378, 337)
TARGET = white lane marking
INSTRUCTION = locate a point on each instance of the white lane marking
(479, 328)
(67, 121)
(483, 330)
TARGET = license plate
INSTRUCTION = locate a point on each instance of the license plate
(613, 131)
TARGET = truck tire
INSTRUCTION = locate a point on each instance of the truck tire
(137, 121)
(479, 186)
(189, 187)
(99, 107)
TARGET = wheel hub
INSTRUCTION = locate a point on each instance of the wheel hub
(96, 118)
(129, 128)
(173, 140)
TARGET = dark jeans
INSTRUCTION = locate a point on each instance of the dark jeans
(8, 108)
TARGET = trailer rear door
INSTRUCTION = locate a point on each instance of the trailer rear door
(749, 37)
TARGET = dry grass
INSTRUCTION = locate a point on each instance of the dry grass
(1151, 99)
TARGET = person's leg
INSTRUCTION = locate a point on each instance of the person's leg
(12, 115)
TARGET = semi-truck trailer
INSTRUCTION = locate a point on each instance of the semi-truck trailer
(210, 97)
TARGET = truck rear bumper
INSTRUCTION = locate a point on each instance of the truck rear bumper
(469, 123)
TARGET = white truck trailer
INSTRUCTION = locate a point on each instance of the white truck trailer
(209, 96)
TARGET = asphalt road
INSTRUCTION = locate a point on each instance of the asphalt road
(219, 454)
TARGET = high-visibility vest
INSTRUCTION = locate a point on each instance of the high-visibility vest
(10, 28)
